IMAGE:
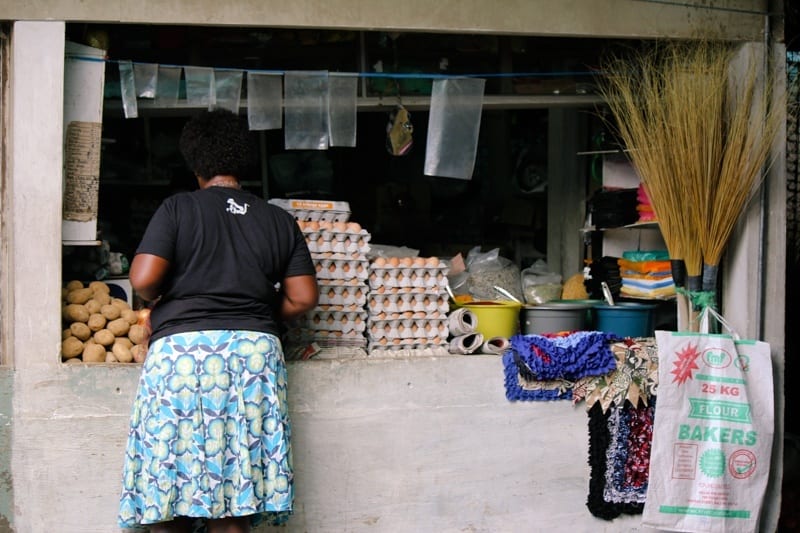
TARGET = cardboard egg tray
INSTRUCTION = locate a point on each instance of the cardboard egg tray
(335, 321)
(422, 330)
(403, 302)
(377, 350)
(340, 292)
(325, 337)
(315, 210)
(388, 345)
(407, 277)
(344, 269)
(341, 237)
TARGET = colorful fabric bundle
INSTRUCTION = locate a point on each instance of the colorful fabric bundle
(620, 435)
(646, 279)
(635, 378)
(539, 367)
(619, 459)
(644, 207)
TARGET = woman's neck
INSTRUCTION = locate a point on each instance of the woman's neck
(226, 181)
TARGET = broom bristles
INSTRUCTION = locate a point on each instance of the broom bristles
(698, 144)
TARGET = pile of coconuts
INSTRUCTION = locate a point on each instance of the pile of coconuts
(99, 328)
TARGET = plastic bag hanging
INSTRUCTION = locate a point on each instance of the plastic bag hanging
(200, 86)
(264, 101)
(127, 87)
(342, 92)
(168, 87)
(453, 128)
(305, 97)
(145, 77)
(399, 131)
(229, 89)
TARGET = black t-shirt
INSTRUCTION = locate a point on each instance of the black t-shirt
(227, 250)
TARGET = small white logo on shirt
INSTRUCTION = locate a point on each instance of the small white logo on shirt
(235, 208)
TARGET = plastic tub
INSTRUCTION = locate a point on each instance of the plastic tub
(496, 318)
(626, 319)
(553, 317)
(588, 302)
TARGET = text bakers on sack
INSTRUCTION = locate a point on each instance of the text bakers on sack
(717, 434)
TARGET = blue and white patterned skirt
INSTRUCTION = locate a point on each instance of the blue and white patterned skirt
(209, 432)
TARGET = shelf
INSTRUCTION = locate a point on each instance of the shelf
(635, 225)
(80, 243)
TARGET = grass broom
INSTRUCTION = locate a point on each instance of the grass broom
(659, 100)
(750, 125)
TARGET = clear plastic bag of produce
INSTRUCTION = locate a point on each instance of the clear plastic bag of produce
(539, 285)
(488, 270)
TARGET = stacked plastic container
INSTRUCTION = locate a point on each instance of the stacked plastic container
(338, 249)
(407, 305)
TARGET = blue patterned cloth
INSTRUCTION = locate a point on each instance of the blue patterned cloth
(209, 432)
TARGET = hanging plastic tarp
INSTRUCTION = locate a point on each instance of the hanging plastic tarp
(229, 89)
(146, 79)
(453, 127)
(168, 87)
(200, 87)
(127, 88)
(264, 101)
(342, 92)
(305, 95)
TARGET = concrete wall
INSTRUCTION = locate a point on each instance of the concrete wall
(733, 19)
(426, 444)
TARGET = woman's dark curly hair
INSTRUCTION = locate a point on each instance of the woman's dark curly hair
(218, 143)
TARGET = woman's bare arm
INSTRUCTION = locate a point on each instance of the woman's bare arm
(300, 294)
(147, 274)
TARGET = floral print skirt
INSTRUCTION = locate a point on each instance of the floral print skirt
(209, 431)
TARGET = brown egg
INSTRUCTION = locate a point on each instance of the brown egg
(393, 261)
(432, 262)
(418, 262)
(406, 262)
(353, 227)
(379, 262)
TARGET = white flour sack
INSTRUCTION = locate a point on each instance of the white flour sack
(712, 433)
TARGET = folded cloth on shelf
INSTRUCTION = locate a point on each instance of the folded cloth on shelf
(466, 344)
(461, 321)
(644, 267)
(636, 292)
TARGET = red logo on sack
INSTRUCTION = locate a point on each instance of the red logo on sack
(685, 364)
(742, 464)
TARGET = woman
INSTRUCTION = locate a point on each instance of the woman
(210, 434)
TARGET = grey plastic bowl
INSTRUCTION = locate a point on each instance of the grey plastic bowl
(553, 317)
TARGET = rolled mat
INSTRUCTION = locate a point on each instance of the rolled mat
(495, 345)
(461, 322)
(466, 344)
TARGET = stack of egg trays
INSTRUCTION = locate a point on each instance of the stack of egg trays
(314, 210)
(407, 306)
(338, 250)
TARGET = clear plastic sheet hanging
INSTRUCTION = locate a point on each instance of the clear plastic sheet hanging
(342, 92)
(168, 87)
(264, 101)
(305, 95)
(453, 127)
(127, 88)
(200, 87)
(229, 89)
(145, 78)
